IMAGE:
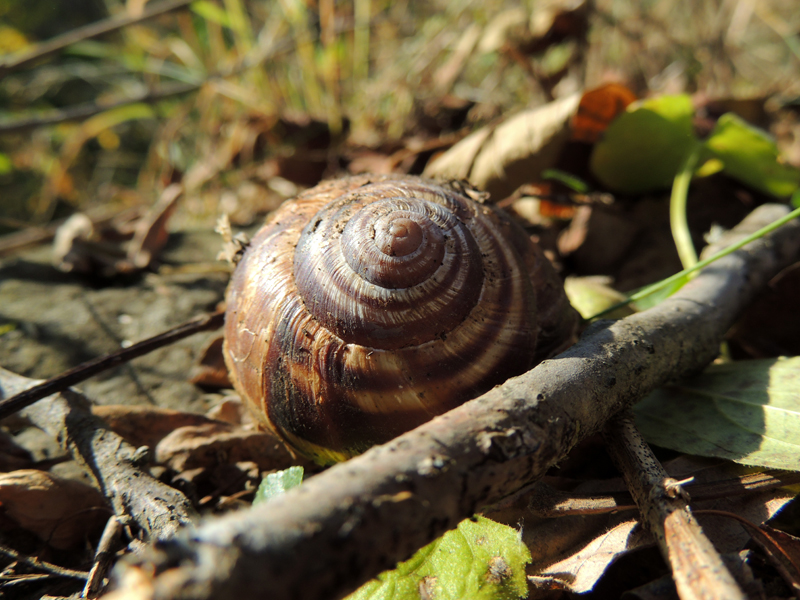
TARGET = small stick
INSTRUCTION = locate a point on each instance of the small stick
(90, 368)
(109, 544)
(697, 567)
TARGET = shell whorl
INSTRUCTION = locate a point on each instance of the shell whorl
(369, 305)
(403, 270)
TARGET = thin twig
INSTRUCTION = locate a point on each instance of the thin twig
(41, 565)
(90, 368)
(547, 502)
(697, 568)
(92, 30)
(108, 546)
(341, 527)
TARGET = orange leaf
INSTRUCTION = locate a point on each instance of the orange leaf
(597, 109)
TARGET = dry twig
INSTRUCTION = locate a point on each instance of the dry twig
(29, 395)
(697, 567)
(338, 529)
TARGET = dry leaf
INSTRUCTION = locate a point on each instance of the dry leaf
(151, 233)
(145, 425)
(499, 159)
(580, 572)
(231, 410)
(211, 370)
(207, 445)
(59, 511)
(573, 552)
(12, 455)
(598, 107)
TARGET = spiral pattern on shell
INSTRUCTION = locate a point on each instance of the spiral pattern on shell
(368, 305)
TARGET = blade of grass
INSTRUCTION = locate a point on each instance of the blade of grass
(677, 210)
(361, 39)
(651, 289)
(92, 30)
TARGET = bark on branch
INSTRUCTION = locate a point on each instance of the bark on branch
(342, 527)
(156, 508)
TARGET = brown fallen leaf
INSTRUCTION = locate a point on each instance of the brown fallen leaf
(211, 370)
(598, 107)
(231, 410)
(146, 425)
(59, 511)
(151, 235)
(572, 553)
(498, 159)
(580, 572)
(207, 445)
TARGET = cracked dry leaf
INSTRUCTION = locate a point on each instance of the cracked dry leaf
(500, 158)
(580, 572)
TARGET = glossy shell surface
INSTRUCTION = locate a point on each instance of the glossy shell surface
(368, 305)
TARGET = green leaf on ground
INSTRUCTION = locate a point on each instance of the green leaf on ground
(747, 411)
(751, 156)
(593, 295)
(645, 146)
(480, 559)
(277, 483)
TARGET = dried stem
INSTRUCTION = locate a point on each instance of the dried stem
(90, 368)
(110, 543)
(697, 568)
(341, 527)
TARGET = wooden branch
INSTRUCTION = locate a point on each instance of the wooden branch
(158, 509)
(344, 526)
(697, 567)
(92, 30)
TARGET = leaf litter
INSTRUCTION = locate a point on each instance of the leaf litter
(623, 240)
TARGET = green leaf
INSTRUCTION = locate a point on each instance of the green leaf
(593, 295)
(480, 559)
(751, 156)
(277, 483)
(645, 146)
(747, 411)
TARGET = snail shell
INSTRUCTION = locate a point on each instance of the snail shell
(368, 305)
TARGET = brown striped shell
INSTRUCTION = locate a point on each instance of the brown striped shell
(368, 305)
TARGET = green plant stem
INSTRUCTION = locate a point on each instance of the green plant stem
(644, 292)
(677, 210)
